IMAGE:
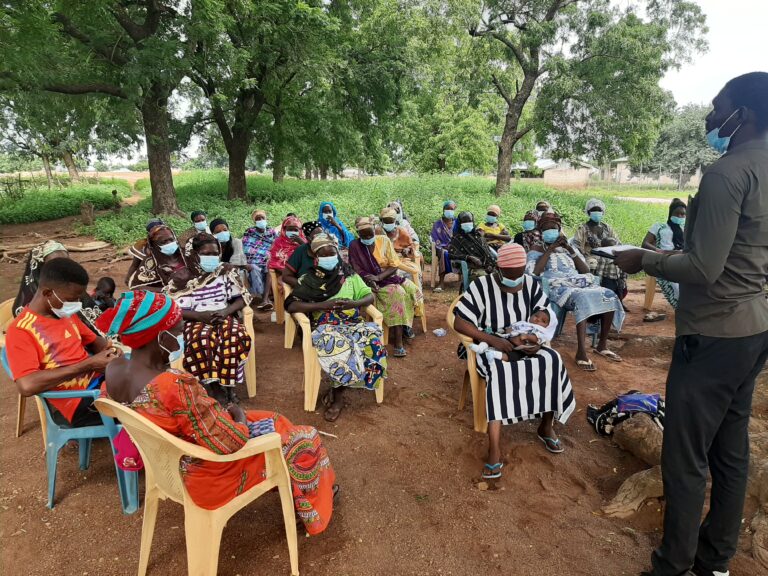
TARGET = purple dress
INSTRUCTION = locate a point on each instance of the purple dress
(441, 237)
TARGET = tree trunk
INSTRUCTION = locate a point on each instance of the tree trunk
(323, 172)
(316, 174)
(278, 149)
(238, 152)
(307, 171)
(441, 163)
(47, 167)
(511, 135)
(69, 162)
(154, 116)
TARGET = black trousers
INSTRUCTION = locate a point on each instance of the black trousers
(709, 400)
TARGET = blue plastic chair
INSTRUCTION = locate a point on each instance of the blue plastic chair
(56, 437)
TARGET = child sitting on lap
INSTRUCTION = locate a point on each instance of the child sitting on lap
(534, 332)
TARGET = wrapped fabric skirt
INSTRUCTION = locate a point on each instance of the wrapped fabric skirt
(352, 354)
(397, 303)
(216, 351)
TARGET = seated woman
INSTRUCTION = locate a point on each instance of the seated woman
(531, 235)
(303, 259)
(573, 288)
(668, 238)
(494, 232)
(595, 233)
(257, 244)
(30, 281)
(543, 206)
(403, 245)
(350, 350)
(402, 220)
(290, 238)
(333, 225)
(211, 295)
(397, 298)
(469, 249)
(151, 324)
(529, 381)
(231, 248)
(442, 232)
(155, 259)
(199, 224)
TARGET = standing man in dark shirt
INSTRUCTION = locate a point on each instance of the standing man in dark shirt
(722, 336)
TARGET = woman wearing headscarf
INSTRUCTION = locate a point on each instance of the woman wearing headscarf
(595, 233)
(401, 242)
(531, 235)
(257, 243)
(151, 324)
(303, 259)
(543, 206)
(231, 247)
(199, 224)
(290, 238)
(529, 380)
(332, 224)
(668, 238)
(155, 259)
(494, 232)
(572, 287)
(469, 248)
(350, 350)
(376, 261)
(211, 297)
(402, 220)
(442, 232)
(38, 256)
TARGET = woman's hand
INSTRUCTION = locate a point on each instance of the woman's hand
(526, 344)
(237, 413)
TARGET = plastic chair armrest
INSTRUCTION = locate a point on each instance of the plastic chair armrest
(252, 447)
(301, 319)
(71, 394)
(374, 314)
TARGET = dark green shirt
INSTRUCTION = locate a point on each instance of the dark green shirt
(722, 270)
(300, 262)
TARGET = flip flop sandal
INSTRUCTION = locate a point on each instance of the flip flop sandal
(399, 353)
(336, 489)
(332, 413)
(552, 444)
(608, 355)
(654, 317)
(492, 471)
(265, 307)
(326, 399)
(586, 365)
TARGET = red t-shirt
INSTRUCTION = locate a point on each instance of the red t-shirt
(34, 343)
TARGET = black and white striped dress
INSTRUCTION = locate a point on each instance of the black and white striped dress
(528, 388)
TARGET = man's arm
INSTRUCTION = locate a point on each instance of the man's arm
(717, 220)
(44, 380)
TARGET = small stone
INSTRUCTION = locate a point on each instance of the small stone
(482, 486)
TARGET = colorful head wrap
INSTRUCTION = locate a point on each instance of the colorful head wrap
(448, 203)
(531, 215)
(495, 209)
(594, 203)
(138, 317)
(388, 213)
(363, 223)
(321, 241)
(547, 204)
(398, 208)
(308, 227)
(50, 247)
(156, 229)
(548, 217)
(511, 255)
(258, 213)
(197, 213)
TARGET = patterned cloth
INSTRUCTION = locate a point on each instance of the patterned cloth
(257, 244)
(154, 268)
(665, 241)
(441, 237)
(496, 228)
(589, 236)
(283, 246)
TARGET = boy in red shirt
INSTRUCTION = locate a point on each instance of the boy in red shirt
(48, 345)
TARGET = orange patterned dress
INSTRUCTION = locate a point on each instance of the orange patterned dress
(177, 403)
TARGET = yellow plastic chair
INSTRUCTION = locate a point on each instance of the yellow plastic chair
(6, 317)
(161, 453)
(250, 363)
(433, 268)
(471, 378)
(312, 370)
(277, 297)
(650, 292)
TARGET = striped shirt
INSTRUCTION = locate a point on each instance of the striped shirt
(214, 296)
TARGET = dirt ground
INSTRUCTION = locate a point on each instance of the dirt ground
(408, 470)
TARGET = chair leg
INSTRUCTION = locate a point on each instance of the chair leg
(148, 529)
(286, 502)
(311, 382)
(85, 453)
(650, 292)
(20, 415)
(43, 422)
(385, 334)
(128, 486)
(464, 390)
(51, 460)
(203, 531)
(423, 318)
(250, 373)
(290, 332)
(379, 390)
(433, 267)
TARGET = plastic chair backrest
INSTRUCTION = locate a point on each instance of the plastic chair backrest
(6, 317)
(466, 340)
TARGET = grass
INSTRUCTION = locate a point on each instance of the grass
(42, 204)
(422, 197)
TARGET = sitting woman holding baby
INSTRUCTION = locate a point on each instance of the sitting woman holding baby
(508, 312)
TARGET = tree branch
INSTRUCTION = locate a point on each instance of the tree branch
(519, 134)
(93, 88)
(501, 90)
(68, 28)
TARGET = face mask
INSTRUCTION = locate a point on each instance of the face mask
(449, 213)
(173, 355)
(721, 143)
(201, 226)
(679, 220)
(596, 216)
(512, 283)
(328, 262)
(209, 263)
(223, 237)
(67, 308)
(291, 233)
(389, 227)
(261, 224)
(170, 248)
(550, 236)
(467, 226)
(528, 225)
(368, 241)
(327, 215)
(491, 219)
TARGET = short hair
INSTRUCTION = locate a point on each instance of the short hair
(60, 271)
(200, 240)
(751, 91)
(108, 281)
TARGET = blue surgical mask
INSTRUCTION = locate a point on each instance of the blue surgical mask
(491, 219)
(173, 355)
(368, 241)
(291, 233)
(528, 225)
(67, 309)
(261, 224)
(721, 143)
(201, 226)
(467, 226)
(550, 236)
(169, 249)
(512, 283)
(389, 227)
(209, 263)
(596, 216)
(223, 237)
(449, 213)
(328, 262)
(679, 220)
